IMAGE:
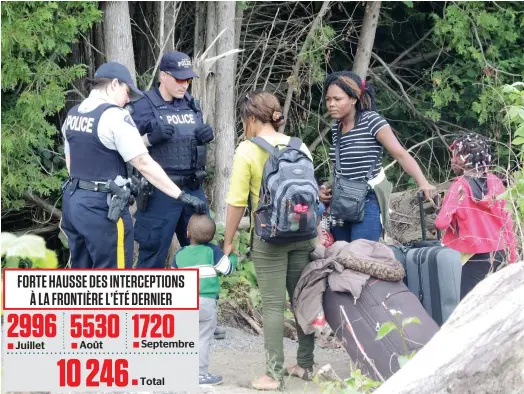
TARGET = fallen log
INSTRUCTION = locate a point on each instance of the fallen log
(480, 349)
(35, 200)
(404, 226)
(37, 230)
(252, 323)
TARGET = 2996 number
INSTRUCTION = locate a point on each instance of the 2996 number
(25, 325)
(107, 372)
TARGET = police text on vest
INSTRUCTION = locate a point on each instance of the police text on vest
(181, 119)
(80, 123)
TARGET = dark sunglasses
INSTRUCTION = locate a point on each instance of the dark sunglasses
(181, 81)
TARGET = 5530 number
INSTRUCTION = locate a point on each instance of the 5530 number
(95, 325)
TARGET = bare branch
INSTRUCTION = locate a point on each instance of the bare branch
(300, 58)
(404, 53)
(55, 212)
(265, 48)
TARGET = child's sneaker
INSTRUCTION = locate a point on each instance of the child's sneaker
(220, 333)
(209, 379)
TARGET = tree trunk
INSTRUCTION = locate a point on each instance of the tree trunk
(167, 13)
(239, 15)
(479, 349)
(200, 28)
(161, 17)
(294, 77)
(225, 108)
(98, 41)
(209, 98)
(367, 38)
(211, 32)
(171, 9)
(90, 58)
(117, 35)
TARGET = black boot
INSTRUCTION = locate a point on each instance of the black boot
(220, 333)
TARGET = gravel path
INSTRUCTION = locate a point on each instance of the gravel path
(239, 358)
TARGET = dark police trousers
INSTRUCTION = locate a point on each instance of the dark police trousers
(155, 227)
(94, 240)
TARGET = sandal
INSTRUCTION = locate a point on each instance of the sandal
(307, 375)
(266, 383)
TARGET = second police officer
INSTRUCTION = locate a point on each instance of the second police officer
(172, 127)
(100, 141)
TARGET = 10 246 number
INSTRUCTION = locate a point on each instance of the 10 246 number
(106, 372)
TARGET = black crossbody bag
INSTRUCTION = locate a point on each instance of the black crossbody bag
(348, 196)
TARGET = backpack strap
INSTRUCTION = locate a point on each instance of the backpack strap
(263, 144)
(295, 143)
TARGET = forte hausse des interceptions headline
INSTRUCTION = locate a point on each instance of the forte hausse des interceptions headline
(116, 289)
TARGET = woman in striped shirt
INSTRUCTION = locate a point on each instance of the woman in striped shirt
(364, 133)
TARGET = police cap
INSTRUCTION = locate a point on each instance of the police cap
(119, 71)
(178, 65)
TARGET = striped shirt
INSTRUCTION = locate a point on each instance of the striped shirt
(359, 147)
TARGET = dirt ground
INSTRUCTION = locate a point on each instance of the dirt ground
(239, 358)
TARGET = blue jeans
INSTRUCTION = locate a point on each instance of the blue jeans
(155, 227)
(370, 228)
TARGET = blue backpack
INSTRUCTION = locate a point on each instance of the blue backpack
(288, 199)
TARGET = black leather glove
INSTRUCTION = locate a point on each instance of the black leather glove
(160, 134)
(204, 133)
(198, 205)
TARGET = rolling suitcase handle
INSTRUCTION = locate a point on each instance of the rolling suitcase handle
(420, 196)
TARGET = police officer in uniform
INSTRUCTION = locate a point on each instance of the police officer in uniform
(173, 129)
(100, 139)
(172, 126)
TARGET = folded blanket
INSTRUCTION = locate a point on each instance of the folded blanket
(345, 267)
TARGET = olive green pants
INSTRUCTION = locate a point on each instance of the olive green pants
(278, 267)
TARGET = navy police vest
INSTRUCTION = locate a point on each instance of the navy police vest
(183, 154)
(90, 159)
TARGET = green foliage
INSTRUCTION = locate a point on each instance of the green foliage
(388, 327)
(486, 41)
(36, 38)
(362, 384)
(355, 384)
(317, 45)
(515, 111)
(402, 360)
(514, 117)
(26, 251)
(410, 320)
(385, 329)
(241, 285)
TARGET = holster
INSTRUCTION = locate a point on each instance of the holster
(64, 185)
(193, 181)
(144, 192)
(119, 200)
